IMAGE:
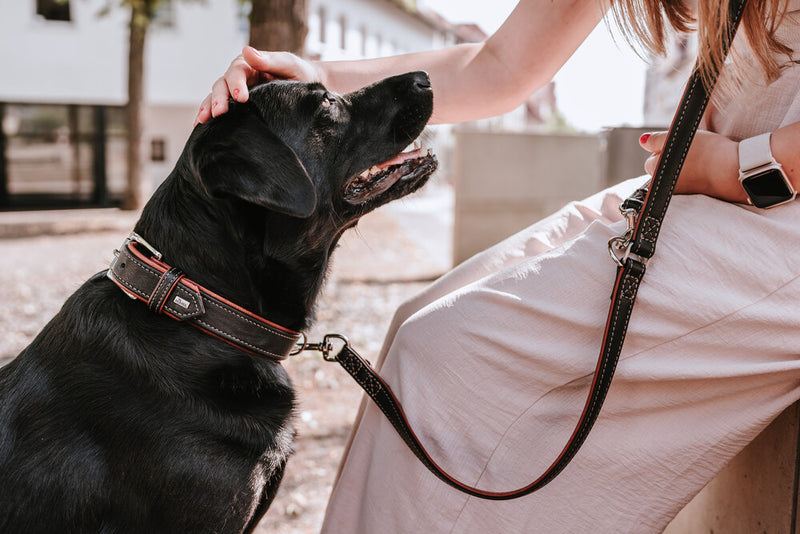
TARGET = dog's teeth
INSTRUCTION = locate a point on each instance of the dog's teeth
(375, 170)
(364, 174)
(416, 144)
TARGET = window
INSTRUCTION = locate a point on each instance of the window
(53, 9)
(158, 150)
(323, 21)
(343, 34)
(164, 15)
(364, 37)
(63, 155)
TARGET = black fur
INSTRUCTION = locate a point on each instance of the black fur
(118, 420)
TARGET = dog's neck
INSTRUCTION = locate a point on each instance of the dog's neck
(224, 245)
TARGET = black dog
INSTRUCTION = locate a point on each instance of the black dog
(118, 418)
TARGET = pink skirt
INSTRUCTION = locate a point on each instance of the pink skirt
(493, 363)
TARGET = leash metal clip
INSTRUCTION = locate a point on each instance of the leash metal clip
(325, 347)
(619, 248)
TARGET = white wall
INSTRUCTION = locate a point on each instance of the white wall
(82, 61)
(85, 60)
(388, 30)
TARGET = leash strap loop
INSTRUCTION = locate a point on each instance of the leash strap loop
(163, 289)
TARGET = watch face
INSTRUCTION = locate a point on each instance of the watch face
(768, 188)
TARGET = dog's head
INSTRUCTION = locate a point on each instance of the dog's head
(299, 150)
(264, 191)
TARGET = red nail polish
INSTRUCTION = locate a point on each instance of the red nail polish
(643, 139)
(215, 104)
(235, 93)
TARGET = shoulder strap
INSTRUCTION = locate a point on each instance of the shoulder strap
(637, 245)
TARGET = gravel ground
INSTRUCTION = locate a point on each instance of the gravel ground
(375, 270)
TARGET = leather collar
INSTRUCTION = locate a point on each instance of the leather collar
(138, 270)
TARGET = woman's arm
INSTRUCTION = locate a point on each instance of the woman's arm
(470, 81)
(712, 164)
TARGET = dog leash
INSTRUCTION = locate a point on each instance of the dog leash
(644, 212)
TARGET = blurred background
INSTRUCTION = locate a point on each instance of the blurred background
(97, 98)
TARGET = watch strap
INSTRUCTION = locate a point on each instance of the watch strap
(754, 152)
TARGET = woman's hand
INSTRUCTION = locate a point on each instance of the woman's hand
(249, 69)
(711, 167)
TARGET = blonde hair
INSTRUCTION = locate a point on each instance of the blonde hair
(645, 22)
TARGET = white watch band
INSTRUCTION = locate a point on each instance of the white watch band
(755, 152)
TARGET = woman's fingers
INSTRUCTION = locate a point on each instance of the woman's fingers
(238, 77)
(280, 65)
(205, 111)
(651, 163)
(654, 141)
(251, 68)
(220, 93)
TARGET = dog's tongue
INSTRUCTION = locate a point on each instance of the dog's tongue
(400, 158)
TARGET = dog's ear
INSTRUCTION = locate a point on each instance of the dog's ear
(255, 165)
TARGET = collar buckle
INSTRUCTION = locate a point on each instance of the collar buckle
(136, 238)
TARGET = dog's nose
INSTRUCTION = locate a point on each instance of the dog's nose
(421, 80)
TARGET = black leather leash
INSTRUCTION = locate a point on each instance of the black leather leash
(644, 212)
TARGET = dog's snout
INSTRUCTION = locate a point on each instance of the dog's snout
(421, 80)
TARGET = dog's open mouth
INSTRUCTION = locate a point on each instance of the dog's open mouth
(409, 166)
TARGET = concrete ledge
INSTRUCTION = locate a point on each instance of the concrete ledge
(507, 181)
(18, 224)
(756, 492)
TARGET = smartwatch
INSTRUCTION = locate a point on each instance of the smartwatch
(761, 176)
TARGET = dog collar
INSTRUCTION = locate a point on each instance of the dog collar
(166, 290)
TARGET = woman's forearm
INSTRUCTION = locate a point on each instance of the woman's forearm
(479, 80)
(441, 65)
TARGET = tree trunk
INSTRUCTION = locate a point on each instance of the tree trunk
(140, 19)
(278, 25)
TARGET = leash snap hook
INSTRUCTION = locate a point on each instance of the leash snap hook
(619, 248)
(326, 353)
(325, 347)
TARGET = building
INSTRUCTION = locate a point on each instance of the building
(63, 86)
(666, 79)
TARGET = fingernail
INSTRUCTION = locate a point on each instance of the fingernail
(643, 139)
(235, 93)
(215, 104)
(256, 52)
